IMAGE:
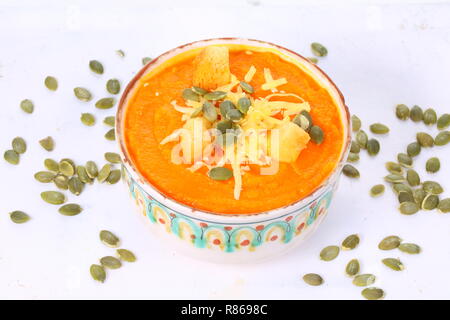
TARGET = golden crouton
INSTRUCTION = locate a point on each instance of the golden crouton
(212, 68)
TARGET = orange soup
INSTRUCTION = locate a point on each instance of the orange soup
(160, 105)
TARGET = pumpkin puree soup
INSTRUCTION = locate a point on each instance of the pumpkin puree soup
(199, 107)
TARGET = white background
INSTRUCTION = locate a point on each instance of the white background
(379, 55)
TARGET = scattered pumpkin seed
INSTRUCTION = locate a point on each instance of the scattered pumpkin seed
(244, 104)
(429, 116)
(224, 125)
(444, 205)
(19, 145)
(364, 280)
(126, 255)
(443, 121)
(430, 202)
(110, 121)
(412, 177)
(419, 195)
(113, 177)
(362, 138)
(199, 90)
(329, 253)
(433, 165)
(400, 187)
(91, 169)
(11, 156)
(110, 135)
(432, 187)
(220, 173)
(442, 138)
(373, 293)
(112, 157)
(394, 178)
(189, 94)
(19, 217)
(413, 149)
(70, 209)
(61, 182)
(313, 60)
(51, 83)
(44, 176)
(110, 262)
(379, 128)
(316, 134)
(215, 95)
(394, 167)
(409, 208)
(27, 106)
(246, 87)
(66, 168)
(351, 242)
(225, 107)
(113, 86)
(405, 160)
(353, 157)
(313, 279)
(389, 243)
(209, 111)
(350, 171)
(235, 115)
(120, 53)
(197, 112)
(394, 264)
(53, 197)
(410, 248)
(82, 94)
(47, 143)
(352, 268)
(373, 147)
(146, 60)
(109, 239)
(402, 112)
(318, 49)
(97, 272)
(377, 190)
(105, 103)
(302, 122)
(356, 123)
(75, 185)
(96, 66)
(104, 173)
(87, 119)
(416, 114)
(355, 148)
(83, 175)
(425, 140)
(405, 197)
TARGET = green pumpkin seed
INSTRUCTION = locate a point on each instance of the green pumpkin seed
(329, 253)
(235, 115)
(350, 171)
(51, 83)
(316, 134)
(377, 190)
(389, 243)
(114, 177)
(215, 95)
(353, 157)
(109, 239)
(146, 60)
(352, 268)
(402, 112)
(87, 119)
(113, 86)
(318, 49)
(355, 148)
(98, 273)
(373, 147)
(105, 103)
(444, 206)
(61, 182)
(91, 169)
(19, 145)
(69, 161)
(27, 106)
(412, 177)
(356, 123)
(313, 279)
(425, 140)
(313, 60)
(405, 197)
(66, 168)
(225, 107)
(224, 125)
(430, 202)
(409, 208)
(120, 53)
(244, 104)
(416, 114)
(394, 178)
(413, 149)
(82, 94)
(110, 262)
(83, 175)
(419, 195)
(373, 293)
(70, 209)
(126, 255)
(429, 116)
(351, 242)
(112, 157)
(19, 217)
(189, 94)
(443, 121)
(442, 138)
(220, 173)
(199, 91)
(96, 66)
(11, 156)
(433, 165)
(44, 176)
(400, 187)
(47, 143)
(410, 248)
(394, 167)
(76, 186)
(53, 197)
(209, 111)
(197, 112)
(394, 264)
(364, 280)
(104, 173)
(362, 138)
(110, 121)
(432, 187)
(379, 128)
(405, 160)
(302, 122)
(110, 135)
(246, 87)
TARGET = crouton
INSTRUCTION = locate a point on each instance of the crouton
(212, 68)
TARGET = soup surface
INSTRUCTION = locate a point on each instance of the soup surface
(150, 117)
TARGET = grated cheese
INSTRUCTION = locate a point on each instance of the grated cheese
(250, 73)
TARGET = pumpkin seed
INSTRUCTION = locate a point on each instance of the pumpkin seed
(104, 173)
(66, 168)
(235, 115)
(126, 255)
(146, 60)
(429, 116)
(364, 280)
(353, 157)
(419, 195)
(405, 197)
(44, 176)
(362, 138)
(350, 171)
(225, 107)
(215, 95)
(120, 53)
(82, 94)
(412, 177)
(91, 169)
(220, 173)
(413, 149)
(442, 138)
(27, 106)
(98, 273)
(389, 243)
(113, 86)
(313, 279)
(351, 242)
(19, 145)
(76, 186)
(87, 119)
(416, 114)
(316, 134)
(409, 208)
(96, 66)
(410, 248)
(19, 217)
(199, 90)
(379, 128)
(69, 161)
(373, 147)
(425, 139)
(11, 156)
(53, 197)
(105, 103)
(70, 209)
(318, 49)
(430, 202)
(405, 160)
(394, 167)
(114, 177)
(246, 87)
(309, 118)
(432, 187)
(355, 148)
(51, 83)
(313, 60)
(83, 175)
(110, 262)
(352, 268)
(329, 253)
(244, 104)
(197, 112)
(394, 264)
(109, 239)
(224, 125)
(209, 111)
(189, 94)
(110, 135)
(356, 123)
(377, 190)
(47, 143)
(61, 182)
(394, 178)
(444, 206)
(112, 157)
(443, 121)
(400, 187)
(373, 293)
(402, 112)
(433, 165)
(302, 122)
(110, 121)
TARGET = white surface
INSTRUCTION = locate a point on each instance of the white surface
(379, 55)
